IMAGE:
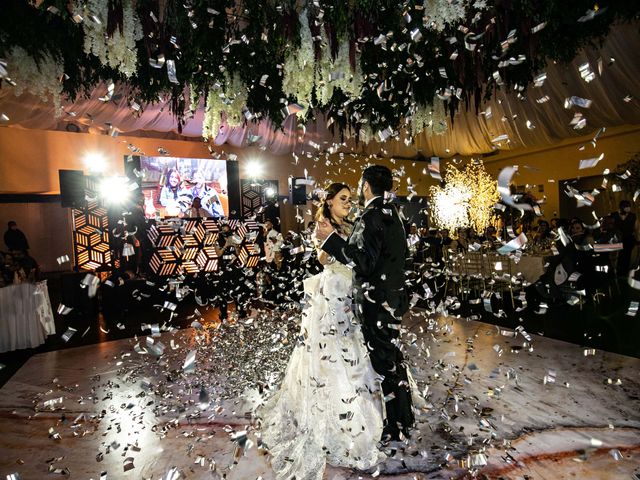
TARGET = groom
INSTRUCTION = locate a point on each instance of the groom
(376, 250)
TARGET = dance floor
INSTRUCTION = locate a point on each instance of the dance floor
(499, 403)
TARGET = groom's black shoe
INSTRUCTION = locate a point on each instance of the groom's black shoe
(396, 434)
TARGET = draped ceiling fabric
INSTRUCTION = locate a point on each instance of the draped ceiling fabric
(470, 133)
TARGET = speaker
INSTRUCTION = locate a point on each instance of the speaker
(233, 189)
(297, 191)
(72, 188)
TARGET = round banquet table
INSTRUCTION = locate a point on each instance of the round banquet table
(26, 317)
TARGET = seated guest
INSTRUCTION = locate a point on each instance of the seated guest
(14, 239)
(543, 238)
(461, 243)
(6, 276)
(608, 233)
(489, 237)
(580, 237)
(196, 210)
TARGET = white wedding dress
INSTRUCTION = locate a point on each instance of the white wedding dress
(329, 408)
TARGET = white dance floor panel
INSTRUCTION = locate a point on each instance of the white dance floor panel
(500, 403)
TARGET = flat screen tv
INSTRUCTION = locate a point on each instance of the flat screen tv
(170, 184)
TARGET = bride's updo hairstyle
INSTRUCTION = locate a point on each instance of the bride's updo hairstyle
(324, 211)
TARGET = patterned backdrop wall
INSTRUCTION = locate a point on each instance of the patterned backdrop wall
(187, 246)
(254, 196)
(91, 232)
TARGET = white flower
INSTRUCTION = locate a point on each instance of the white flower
(430, 119)
(231, 102)
(440, 13)
(41, 79)
(299, 67)
(118, 50)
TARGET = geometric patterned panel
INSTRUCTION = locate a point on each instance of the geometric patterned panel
(253, 195)
(195, 250)
(249, 255)
(91, 232)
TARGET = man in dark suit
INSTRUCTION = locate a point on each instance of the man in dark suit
(376, 250)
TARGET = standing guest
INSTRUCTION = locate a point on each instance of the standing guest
(625, 222)
(413, 241)
(14, 239)
(447, 242)
(433, 242)
(196, 210)
(272, 243)
(446, 238)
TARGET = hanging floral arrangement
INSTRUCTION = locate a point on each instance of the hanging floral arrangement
(371, 67)
(299, 68)
(117, 48)
(43, 79)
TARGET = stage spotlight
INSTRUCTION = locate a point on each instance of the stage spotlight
(254, 169)
(115, 190)
(269, 192)
(95, 162)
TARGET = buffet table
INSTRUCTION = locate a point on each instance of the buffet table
(26, 317)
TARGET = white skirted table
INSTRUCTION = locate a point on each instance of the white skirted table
(26, 317)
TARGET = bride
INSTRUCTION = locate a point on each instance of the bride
(329, 407)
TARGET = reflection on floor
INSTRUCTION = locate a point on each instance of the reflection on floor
(499, 403)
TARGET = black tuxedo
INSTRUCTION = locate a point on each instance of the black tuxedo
(376, 250)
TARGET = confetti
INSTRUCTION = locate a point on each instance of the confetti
(68, 334)
(590, 162)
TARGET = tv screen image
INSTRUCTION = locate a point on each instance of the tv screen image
(170, 184)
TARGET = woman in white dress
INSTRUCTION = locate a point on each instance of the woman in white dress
(329, 408)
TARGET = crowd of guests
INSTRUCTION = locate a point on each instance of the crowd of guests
(597, 252)
(286, 259)
(585, 256)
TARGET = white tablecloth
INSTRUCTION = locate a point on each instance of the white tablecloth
(26, 317)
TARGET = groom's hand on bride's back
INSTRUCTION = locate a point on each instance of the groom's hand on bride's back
(323, 229)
